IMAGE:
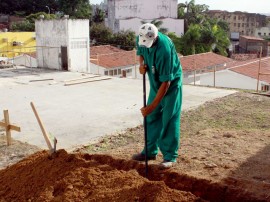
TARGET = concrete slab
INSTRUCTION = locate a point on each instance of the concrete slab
(79, 114)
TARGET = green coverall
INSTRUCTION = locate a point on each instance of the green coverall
(163, 124)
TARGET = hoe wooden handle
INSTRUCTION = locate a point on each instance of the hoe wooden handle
(45, 134)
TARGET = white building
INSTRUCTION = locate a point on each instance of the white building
(262, 32)
(242, 75)
(229, 79)
(26, 60)
(111, 61)
(63, 44)
(128, 14)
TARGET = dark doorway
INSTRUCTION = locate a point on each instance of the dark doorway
(64, 58)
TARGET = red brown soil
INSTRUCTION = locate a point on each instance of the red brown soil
(78, 177)
(224, 156)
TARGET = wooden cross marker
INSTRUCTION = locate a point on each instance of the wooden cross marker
(6, 124)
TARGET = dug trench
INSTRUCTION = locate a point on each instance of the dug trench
(94, 177)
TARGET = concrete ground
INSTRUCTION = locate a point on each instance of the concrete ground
(78, 114)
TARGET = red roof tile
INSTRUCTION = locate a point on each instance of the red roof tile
(110, 57)
(250, 68)
(33, 54)
(107, 49)
(203, 60)
(252, 38)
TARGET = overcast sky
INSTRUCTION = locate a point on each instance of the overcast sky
(251, 6)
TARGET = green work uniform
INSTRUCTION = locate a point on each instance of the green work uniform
(163, 124)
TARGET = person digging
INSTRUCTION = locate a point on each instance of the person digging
(158, 57)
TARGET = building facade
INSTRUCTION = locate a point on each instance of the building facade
(240, 22)
(253, 45)
(129, 14)
(13, 44)
(63, 44)
(262, 32)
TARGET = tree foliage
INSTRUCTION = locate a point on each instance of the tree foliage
(202, 34)
(125, 40)
(28, 25)
(158, 24)
(98, 16)
(27, 7)
(73, 8)
(191, 13)
(102, 35)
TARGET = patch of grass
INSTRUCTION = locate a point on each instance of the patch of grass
(239, 111)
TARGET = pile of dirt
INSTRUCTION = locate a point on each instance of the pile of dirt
(78, 177)
(224, 156)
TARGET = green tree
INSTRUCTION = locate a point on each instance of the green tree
(31, 18)
(27, 7)
(178, 42)
(99, 16)
(124, 39)
(75, 8)
(100, 34)
(214, 37)
(29, 23)
(24, 26)
(191, 38)
(191, 13)
(158, 24)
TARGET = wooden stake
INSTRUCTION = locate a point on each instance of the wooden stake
(6, 124)
(44, 132)
(40, 80)
(259, 70)
(215, 76)
(86, 81)
(80, 79)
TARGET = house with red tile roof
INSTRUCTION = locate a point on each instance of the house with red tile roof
(208, 69)
(250, 44)
(202, 63)
(111, 61)
(26, 59)
(242, 75)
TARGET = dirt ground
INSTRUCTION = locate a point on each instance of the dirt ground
(224, 156)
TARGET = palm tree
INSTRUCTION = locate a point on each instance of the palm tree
(215, 37)
(191, 38)
(191, 13)
(99, 16)
(158, 25)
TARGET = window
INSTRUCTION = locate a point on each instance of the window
(119, 71)
(259, 33)
(234, 17)
(106, 73)
(115, 72)
(264, 34)
(243, 24)
(235, 24)
(239, 24)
